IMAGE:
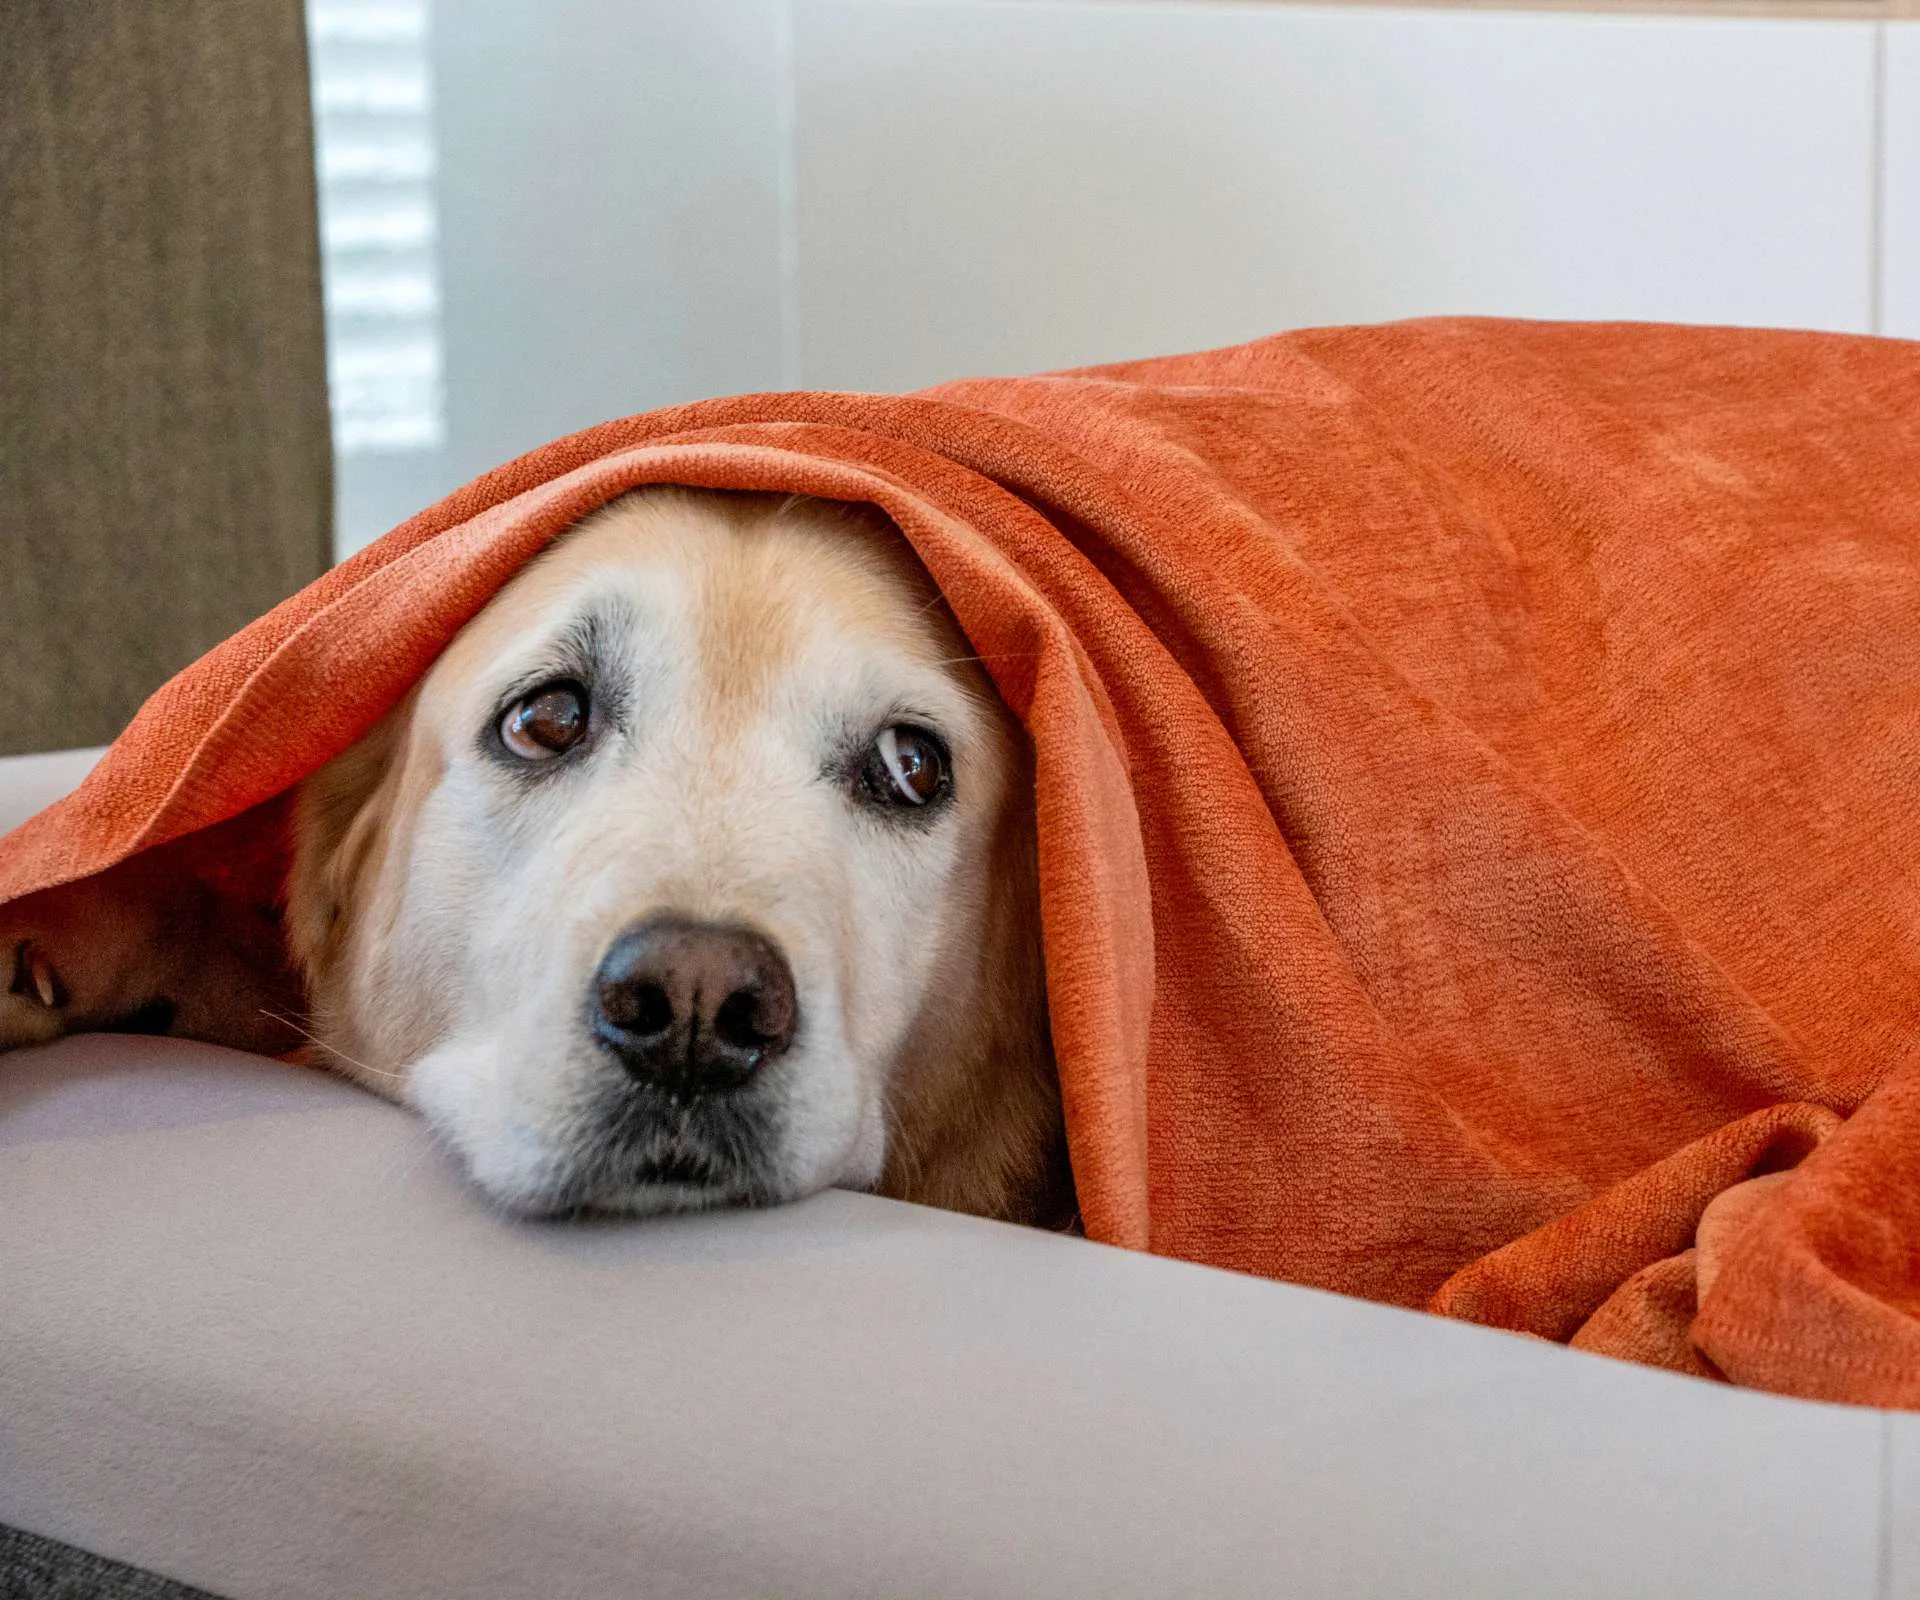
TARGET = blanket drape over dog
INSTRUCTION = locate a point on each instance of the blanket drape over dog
(1479, 795)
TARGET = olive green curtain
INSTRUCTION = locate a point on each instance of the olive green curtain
(164, 460)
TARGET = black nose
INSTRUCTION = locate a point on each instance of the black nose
(693, 1007)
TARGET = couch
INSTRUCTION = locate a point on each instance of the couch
(257, 1337)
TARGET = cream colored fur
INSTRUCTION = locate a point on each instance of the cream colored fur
(449, 911)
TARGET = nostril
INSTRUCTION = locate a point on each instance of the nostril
(655, 1011)
(739, 1023)
(642, 1009)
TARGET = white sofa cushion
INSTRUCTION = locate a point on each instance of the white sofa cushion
(256, 1335)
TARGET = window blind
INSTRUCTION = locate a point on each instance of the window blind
(374, 151)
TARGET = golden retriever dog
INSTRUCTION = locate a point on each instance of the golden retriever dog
(699, 870)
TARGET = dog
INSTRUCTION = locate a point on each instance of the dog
(699, 870)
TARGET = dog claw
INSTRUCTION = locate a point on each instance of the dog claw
(33, 975)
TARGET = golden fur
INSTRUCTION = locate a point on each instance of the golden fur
(970, 1109)
(446, 911)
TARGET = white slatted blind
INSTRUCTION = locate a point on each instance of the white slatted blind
(373, 128)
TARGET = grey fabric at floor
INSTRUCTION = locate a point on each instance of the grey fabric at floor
(32, 1568)
(164, 455)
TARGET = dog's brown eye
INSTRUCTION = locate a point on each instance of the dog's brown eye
(905, 767)
(547, 723)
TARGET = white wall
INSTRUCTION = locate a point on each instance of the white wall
(643, 202)
(1900, 185)
(1002, 186)
(610, 223)
(610, 210)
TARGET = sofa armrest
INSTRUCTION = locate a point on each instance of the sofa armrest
(258, 1336)
(27, 783)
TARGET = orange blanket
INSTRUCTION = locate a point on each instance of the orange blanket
(1479, 792)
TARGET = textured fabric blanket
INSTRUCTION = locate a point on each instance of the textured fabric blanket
(1477, 771)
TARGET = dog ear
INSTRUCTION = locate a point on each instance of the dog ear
(339, 821)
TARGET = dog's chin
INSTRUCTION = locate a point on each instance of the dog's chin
(613, 1147)
(652, 1197)
(642, 1197)
(598, 1176)
(679, 1166)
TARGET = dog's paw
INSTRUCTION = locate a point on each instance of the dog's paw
(33, 1002)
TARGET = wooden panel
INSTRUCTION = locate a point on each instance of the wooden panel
(1842, 10)
(163, 409)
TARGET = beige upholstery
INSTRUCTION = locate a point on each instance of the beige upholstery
(256, 1335)
(29, 782)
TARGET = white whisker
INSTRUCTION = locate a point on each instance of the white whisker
(332, 1050)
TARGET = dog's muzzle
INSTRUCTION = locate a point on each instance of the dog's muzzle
(693, 1008)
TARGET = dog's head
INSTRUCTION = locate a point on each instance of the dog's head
(698, 870)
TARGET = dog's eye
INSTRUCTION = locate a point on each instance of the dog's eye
(546, 723)
(905, 766)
